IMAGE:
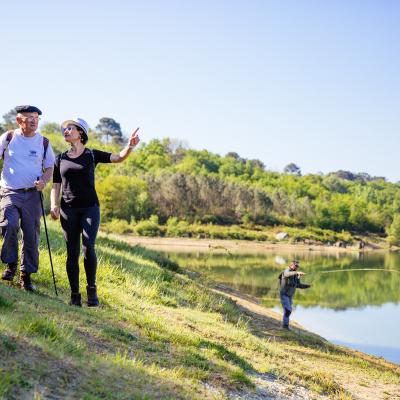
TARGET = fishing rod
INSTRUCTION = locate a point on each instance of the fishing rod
(353, 270)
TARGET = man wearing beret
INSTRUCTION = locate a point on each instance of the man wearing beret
(27, 156)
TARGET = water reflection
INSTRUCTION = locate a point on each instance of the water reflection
(256, 274)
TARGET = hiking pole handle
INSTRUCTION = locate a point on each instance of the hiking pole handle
(47, 239)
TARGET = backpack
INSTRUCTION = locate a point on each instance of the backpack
(289, 281)
(10, 136)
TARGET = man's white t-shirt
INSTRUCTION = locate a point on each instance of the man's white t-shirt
(23, 160)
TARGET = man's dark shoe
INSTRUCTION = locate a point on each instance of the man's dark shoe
(9, 273)
(92, 300)
(286, 327)
(76, 300)
(26, 282)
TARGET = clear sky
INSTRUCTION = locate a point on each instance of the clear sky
(312, 82)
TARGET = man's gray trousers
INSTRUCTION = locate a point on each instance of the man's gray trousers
(20, 208)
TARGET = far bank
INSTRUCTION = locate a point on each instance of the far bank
(184, 244)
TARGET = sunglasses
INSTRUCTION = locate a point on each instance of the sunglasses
(69, 129)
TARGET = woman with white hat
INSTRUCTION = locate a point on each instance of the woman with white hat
(74, 173)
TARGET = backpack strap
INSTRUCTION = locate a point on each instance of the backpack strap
(94, 161)
(45, 147)
(94, 165)
(58, 160)
(10, 135)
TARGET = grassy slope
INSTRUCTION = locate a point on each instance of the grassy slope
(159, 334)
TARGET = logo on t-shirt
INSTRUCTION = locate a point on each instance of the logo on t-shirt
(32, 153)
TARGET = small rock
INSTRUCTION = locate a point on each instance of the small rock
(281, 235)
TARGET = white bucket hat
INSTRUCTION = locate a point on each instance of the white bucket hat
(81, 123)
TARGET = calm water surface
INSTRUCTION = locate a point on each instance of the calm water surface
(359, 309)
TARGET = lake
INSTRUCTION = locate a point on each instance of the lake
(358, 308)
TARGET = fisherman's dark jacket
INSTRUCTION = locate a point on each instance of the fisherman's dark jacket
(289, 282)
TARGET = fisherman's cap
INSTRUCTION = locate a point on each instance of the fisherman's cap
(80, 123)
(27, 109)
(295, 262)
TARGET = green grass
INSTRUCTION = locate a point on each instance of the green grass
(4, 303)
(158, 334)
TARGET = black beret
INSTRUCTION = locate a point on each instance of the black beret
(27, 108)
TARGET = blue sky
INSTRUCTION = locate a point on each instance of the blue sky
(311, 82)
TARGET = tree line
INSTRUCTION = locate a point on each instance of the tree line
(197, 184)
(168, 179)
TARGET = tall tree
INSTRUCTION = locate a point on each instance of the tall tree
(9, 120)
(109, 128)
(292, 169)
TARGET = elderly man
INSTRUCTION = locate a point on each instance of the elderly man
(28, 167)
(289, 282)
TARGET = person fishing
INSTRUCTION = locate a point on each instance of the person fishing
(74, 172)
(289, 281)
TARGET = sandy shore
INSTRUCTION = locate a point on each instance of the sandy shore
(190, 244)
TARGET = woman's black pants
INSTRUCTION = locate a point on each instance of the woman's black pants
(77, 222)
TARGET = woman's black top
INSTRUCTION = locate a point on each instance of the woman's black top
(77, 177)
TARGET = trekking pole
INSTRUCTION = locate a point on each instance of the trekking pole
(47, 238)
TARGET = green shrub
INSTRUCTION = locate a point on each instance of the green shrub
(148, 228)
(317, 235)
(177, 228)
(154, 218)
(119, 226)
(123, 197)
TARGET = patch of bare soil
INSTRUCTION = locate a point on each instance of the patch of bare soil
(267, 387)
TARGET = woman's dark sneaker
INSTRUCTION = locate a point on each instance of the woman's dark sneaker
(92, 300)
(76, 300)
